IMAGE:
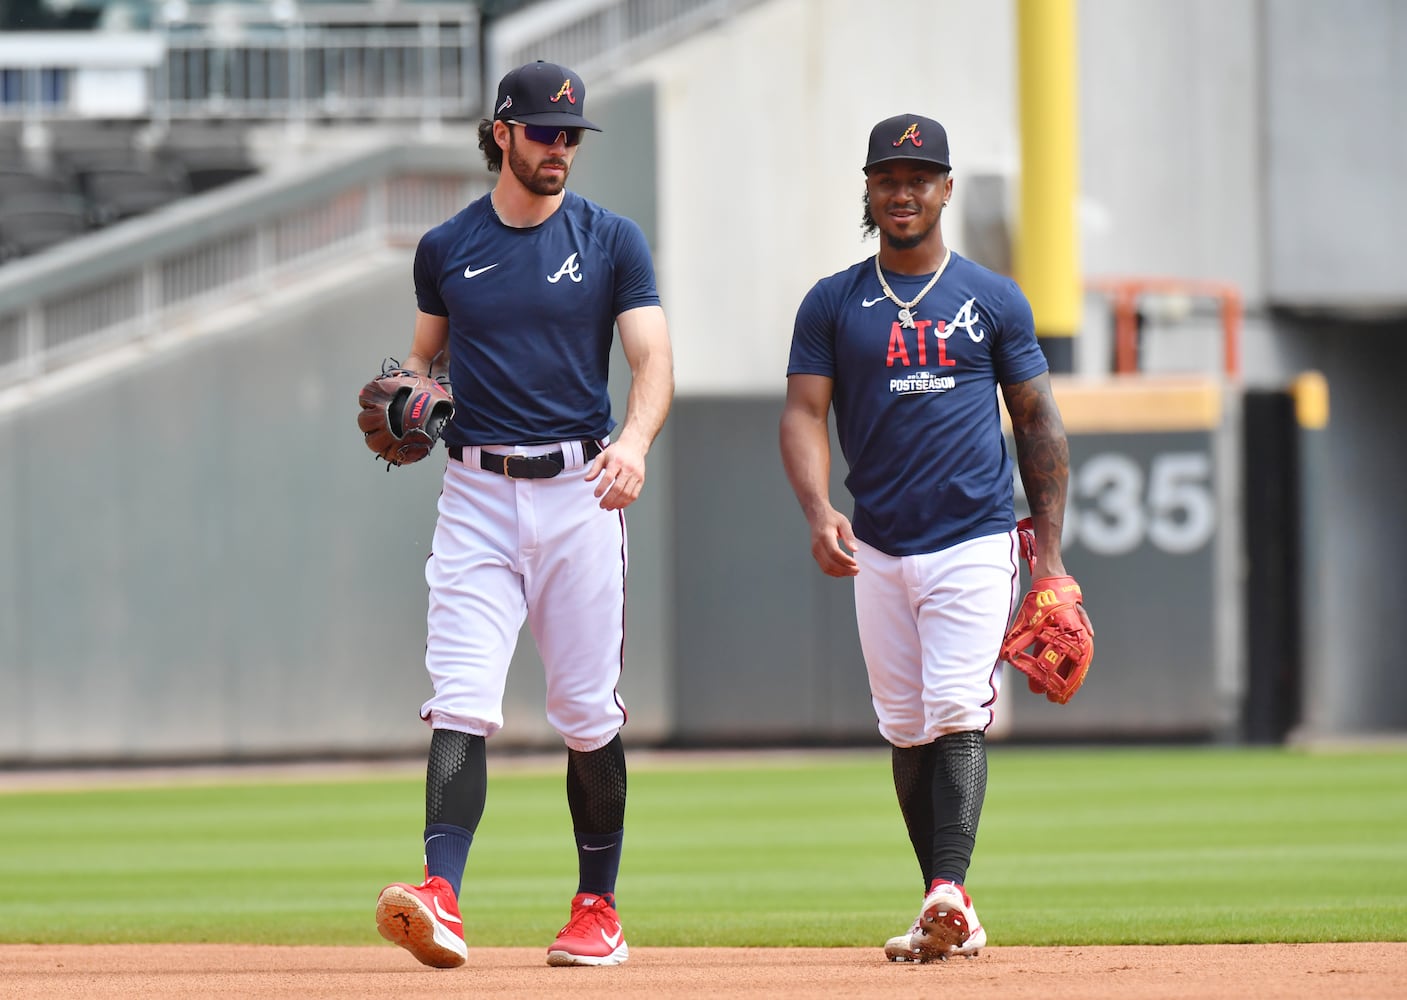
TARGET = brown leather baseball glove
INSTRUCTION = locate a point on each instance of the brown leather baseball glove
(403, 413)
(1050, 641)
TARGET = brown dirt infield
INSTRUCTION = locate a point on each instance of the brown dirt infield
(1208, 972)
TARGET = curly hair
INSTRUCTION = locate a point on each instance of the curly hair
(868, 227)
(493, 155)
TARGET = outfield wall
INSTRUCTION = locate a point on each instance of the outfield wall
(222, 570)
(218, 568)
(171, 585)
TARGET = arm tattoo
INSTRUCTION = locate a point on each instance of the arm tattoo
(1042, 450)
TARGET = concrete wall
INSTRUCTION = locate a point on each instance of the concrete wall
(1335, 98)
(205, 555)
(171, 584)
(1232, 140)
(201, 558)
(762, 126)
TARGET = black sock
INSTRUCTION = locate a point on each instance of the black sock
(596, 797)
(456, 788)
(446, 852)
(913, 783)
(598, 863)
(959, 788)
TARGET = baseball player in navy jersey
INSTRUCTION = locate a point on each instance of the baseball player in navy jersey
(910, 347)
(520, 291)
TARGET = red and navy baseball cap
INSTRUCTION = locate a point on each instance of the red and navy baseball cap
(542, 93)
(908, 137)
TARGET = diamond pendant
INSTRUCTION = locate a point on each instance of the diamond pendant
(906, 319)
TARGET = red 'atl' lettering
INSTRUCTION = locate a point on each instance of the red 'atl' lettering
(943, 359)
(921, 328)
(899, 350)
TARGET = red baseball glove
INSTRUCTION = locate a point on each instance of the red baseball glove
(403, 414)
(1050, 641)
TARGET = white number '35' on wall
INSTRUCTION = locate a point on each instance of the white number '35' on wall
(1115, 503)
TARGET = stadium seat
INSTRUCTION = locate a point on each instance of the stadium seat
(120, 192)
(76, 146)
(17, 181)
(208, 155)
(36, 221)
(94, 174)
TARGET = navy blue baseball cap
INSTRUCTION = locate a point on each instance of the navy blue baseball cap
(542, 93)
(908, 137)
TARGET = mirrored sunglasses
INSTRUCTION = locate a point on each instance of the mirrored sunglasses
(547, 134)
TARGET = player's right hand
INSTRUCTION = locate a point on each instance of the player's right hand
(829, 533)
(619, 472)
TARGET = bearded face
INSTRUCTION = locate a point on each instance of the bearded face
(541, 169)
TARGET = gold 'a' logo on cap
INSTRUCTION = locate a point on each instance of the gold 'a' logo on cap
(911, 134)
(565, 91)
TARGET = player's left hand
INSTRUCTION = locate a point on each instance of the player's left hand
(403, 413)
(620, 470)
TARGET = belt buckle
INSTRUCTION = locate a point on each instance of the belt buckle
(507, 465)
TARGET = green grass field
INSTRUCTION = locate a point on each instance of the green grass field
(1092, 846)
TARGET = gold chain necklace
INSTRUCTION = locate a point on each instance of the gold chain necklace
(906, 309)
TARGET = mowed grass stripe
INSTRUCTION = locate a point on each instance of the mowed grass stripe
(1077, 846)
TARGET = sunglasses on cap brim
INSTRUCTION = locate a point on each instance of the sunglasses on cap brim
(548, 135)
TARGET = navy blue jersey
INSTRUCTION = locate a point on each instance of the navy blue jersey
(531, 314)
(916, 409)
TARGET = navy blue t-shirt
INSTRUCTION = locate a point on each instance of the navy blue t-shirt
(916, 410)
(531, 317)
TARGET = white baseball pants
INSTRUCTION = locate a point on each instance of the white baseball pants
(931, 628)
(541, 549)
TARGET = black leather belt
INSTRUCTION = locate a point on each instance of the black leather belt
(527, 466)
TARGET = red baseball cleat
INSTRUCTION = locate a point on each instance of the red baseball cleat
(424, 920)
(592, 936)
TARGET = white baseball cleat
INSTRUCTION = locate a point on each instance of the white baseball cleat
(947, 925)
(900, 948)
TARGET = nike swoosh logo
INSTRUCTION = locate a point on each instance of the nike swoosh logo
(869, 302)
(612, 939)
(588, 847)
(471, 270)
(440, 912)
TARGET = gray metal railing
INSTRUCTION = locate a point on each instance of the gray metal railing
(310, 62)
(595, 37)
(133, 280)
(419, 61)
(329, 61)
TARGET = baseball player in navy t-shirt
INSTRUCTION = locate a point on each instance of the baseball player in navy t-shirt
(521, 292)
(910, 347)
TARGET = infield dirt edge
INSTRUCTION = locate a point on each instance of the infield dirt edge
(1367, 971)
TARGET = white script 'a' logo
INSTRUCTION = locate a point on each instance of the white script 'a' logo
(569, 269)
(967, 318)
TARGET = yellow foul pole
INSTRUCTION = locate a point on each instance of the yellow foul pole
(1047, 259)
